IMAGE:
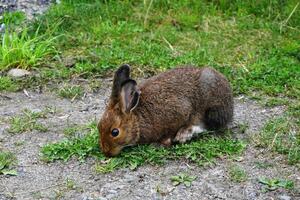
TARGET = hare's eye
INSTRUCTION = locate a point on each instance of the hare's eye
(115, 132)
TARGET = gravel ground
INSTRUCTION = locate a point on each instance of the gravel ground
(29, 7)
(39, 180)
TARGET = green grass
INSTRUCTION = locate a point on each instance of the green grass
(237, 174)
(7, 162)
(263, 165)
(72, 131)
(202, 151)
(274, 184)
(255, 44)
(272, 102)
(281, 135)
(27, 121)
(71, 92)
(182, 179)
(13, 18)
(81, 147)
(7, 84)
(20, 50)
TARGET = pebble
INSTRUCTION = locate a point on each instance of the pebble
(129, 178)
(18, 73)
(284, 197)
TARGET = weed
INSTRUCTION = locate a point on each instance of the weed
(237, 174)
(19, 143)
(70, 184)
(182, 179)
(13, 18)
(242, 127)
(73, 130)
(7, 161)
(95, 85)
(263, 165)
(27, 122)
(71, 92)
(24, 51)
(294, 111)
(7, 84)
(281, 135)
(274, 184)
(201, 151)
(80, 147)
(276, 102)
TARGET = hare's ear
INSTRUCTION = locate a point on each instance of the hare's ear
(130, 96)
(121, 75)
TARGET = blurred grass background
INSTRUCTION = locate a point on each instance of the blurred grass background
(256, 44)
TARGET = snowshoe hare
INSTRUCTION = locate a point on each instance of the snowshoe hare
(171, 107)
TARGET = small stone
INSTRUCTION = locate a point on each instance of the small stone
(36, 110)
(112, 191)
(2, 28)
(101, 198)
(129, 178)
(85, 198)
(110, 196)
(18, 73)
(284, 197)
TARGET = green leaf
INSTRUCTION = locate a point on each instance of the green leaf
(187, 183)
(263, 181)
(175, 183)
(175, 178)
(11, 172)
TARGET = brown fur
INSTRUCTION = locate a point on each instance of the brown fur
(172, 100)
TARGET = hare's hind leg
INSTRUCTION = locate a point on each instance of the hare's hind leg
(187, 133)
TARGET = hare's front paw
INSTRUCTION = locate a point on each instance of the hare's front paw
(187, 133)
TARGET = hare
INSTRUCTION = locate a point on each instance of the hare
(171, 107)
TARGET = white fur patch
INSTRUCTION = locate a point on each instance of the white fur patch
(184, 135)
(198, 129)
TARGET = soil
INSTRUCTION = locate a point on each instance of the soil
(39, 180)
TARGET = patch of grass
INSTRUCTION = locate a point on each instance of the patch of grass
(281, 135)
(95, 85)
(263, 165)
(70, 184)
(237, 174)
(272, 102)
(201, 151)
(294, 111)
(21, 50)
(7, 162)
(71, 92)
(274, 184)
(19, 143)
(27, 121)
(182, 179)
(242, 127)
(80, 147)
(7, 84)
(13, 18)
(255, 44)
(73, 130)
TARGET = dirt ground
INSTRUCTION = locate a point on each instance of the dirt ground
(39, 180)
